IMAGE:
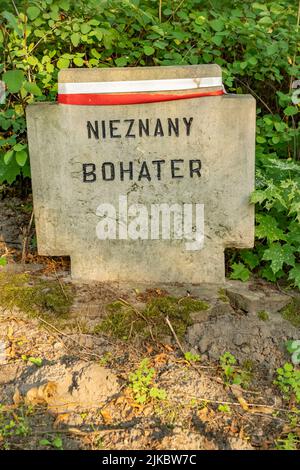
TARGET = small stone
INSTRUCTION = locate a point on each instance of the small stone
(250, 301)
(204, 344)
(239, 340)
(198, 317)
(237, 443)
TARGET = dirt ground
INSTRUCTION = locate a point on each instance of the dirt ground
(136, 367)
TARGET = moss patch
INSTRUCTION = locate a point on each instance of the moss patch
(34, 296)
(126, 322)
(263, 315)
(222, 296)
(292, 312)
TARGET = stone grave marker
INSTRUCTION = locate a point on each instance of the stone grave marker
(143, 174)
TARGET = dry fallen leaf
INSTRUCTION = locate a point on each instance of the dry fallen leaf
(267, 410)
(42, 394)
(206, 414)
(243, 403)
(17, 398)
(161, 358)
(62, 418)
(250, 408)
(106, 416)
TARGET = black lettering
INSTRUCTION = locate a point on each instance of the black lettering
(93, 130)
(175, 168)
(173, 127)
(158, 129)
(188, 124)
(88, 172)
(195, 169)
(113, 128)
(158, 164)
(131, 122)
(143, 127)
(129, 170)
(106, 177)
(103, 129)
(144, 173)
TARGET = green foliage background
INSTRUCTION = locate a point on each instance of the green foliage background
(256, 44)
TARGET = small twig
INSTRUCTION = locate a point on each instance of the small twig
(61, 286)
(175, 335)
(159, 10)
(284, 292)
(255, 94)
(25, 240)
(43, 37)
(78, 431)
(14, 5)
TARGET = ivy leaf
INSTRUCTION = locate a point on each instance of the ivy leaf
(85, 28)
(8, 156)
(121, 61)
(13, 80)
(268, 228)
(57, 442)
(294, 275)
(278, 255)
(258, 196)
(13, 22)
(217, 25)
(75, 38)
(33, 12)
(44, 442)
(9, 172)
(148, 50)
(293, 236)
(63, 63)
(239, 271)
(32, 88)
(19, 147)
(283, 165)
(292, 345)
(250, 258)
(268, 274)
(290, 110)
(21, 157)
(78, 61)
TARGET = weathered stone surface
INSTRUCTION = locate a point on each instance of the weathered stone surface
(253, 301)
(221, 136)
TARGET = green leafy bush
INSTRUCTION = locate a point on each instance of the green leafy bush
(256, 44)
(141, 383)
(288, 380)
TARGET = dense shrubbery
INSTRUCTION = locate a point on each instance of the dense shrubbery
(256, 44)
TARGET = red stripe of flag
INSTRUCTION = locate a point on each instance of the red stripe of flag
(127, 98)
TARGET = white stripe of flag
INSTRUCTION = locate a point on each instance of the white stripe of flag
(139, 85)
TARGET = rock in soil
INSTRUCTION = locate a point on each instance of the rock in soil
(78, 386)
(245, 336)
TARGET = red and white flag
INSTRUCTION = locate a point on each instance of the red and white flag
(138, 91)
